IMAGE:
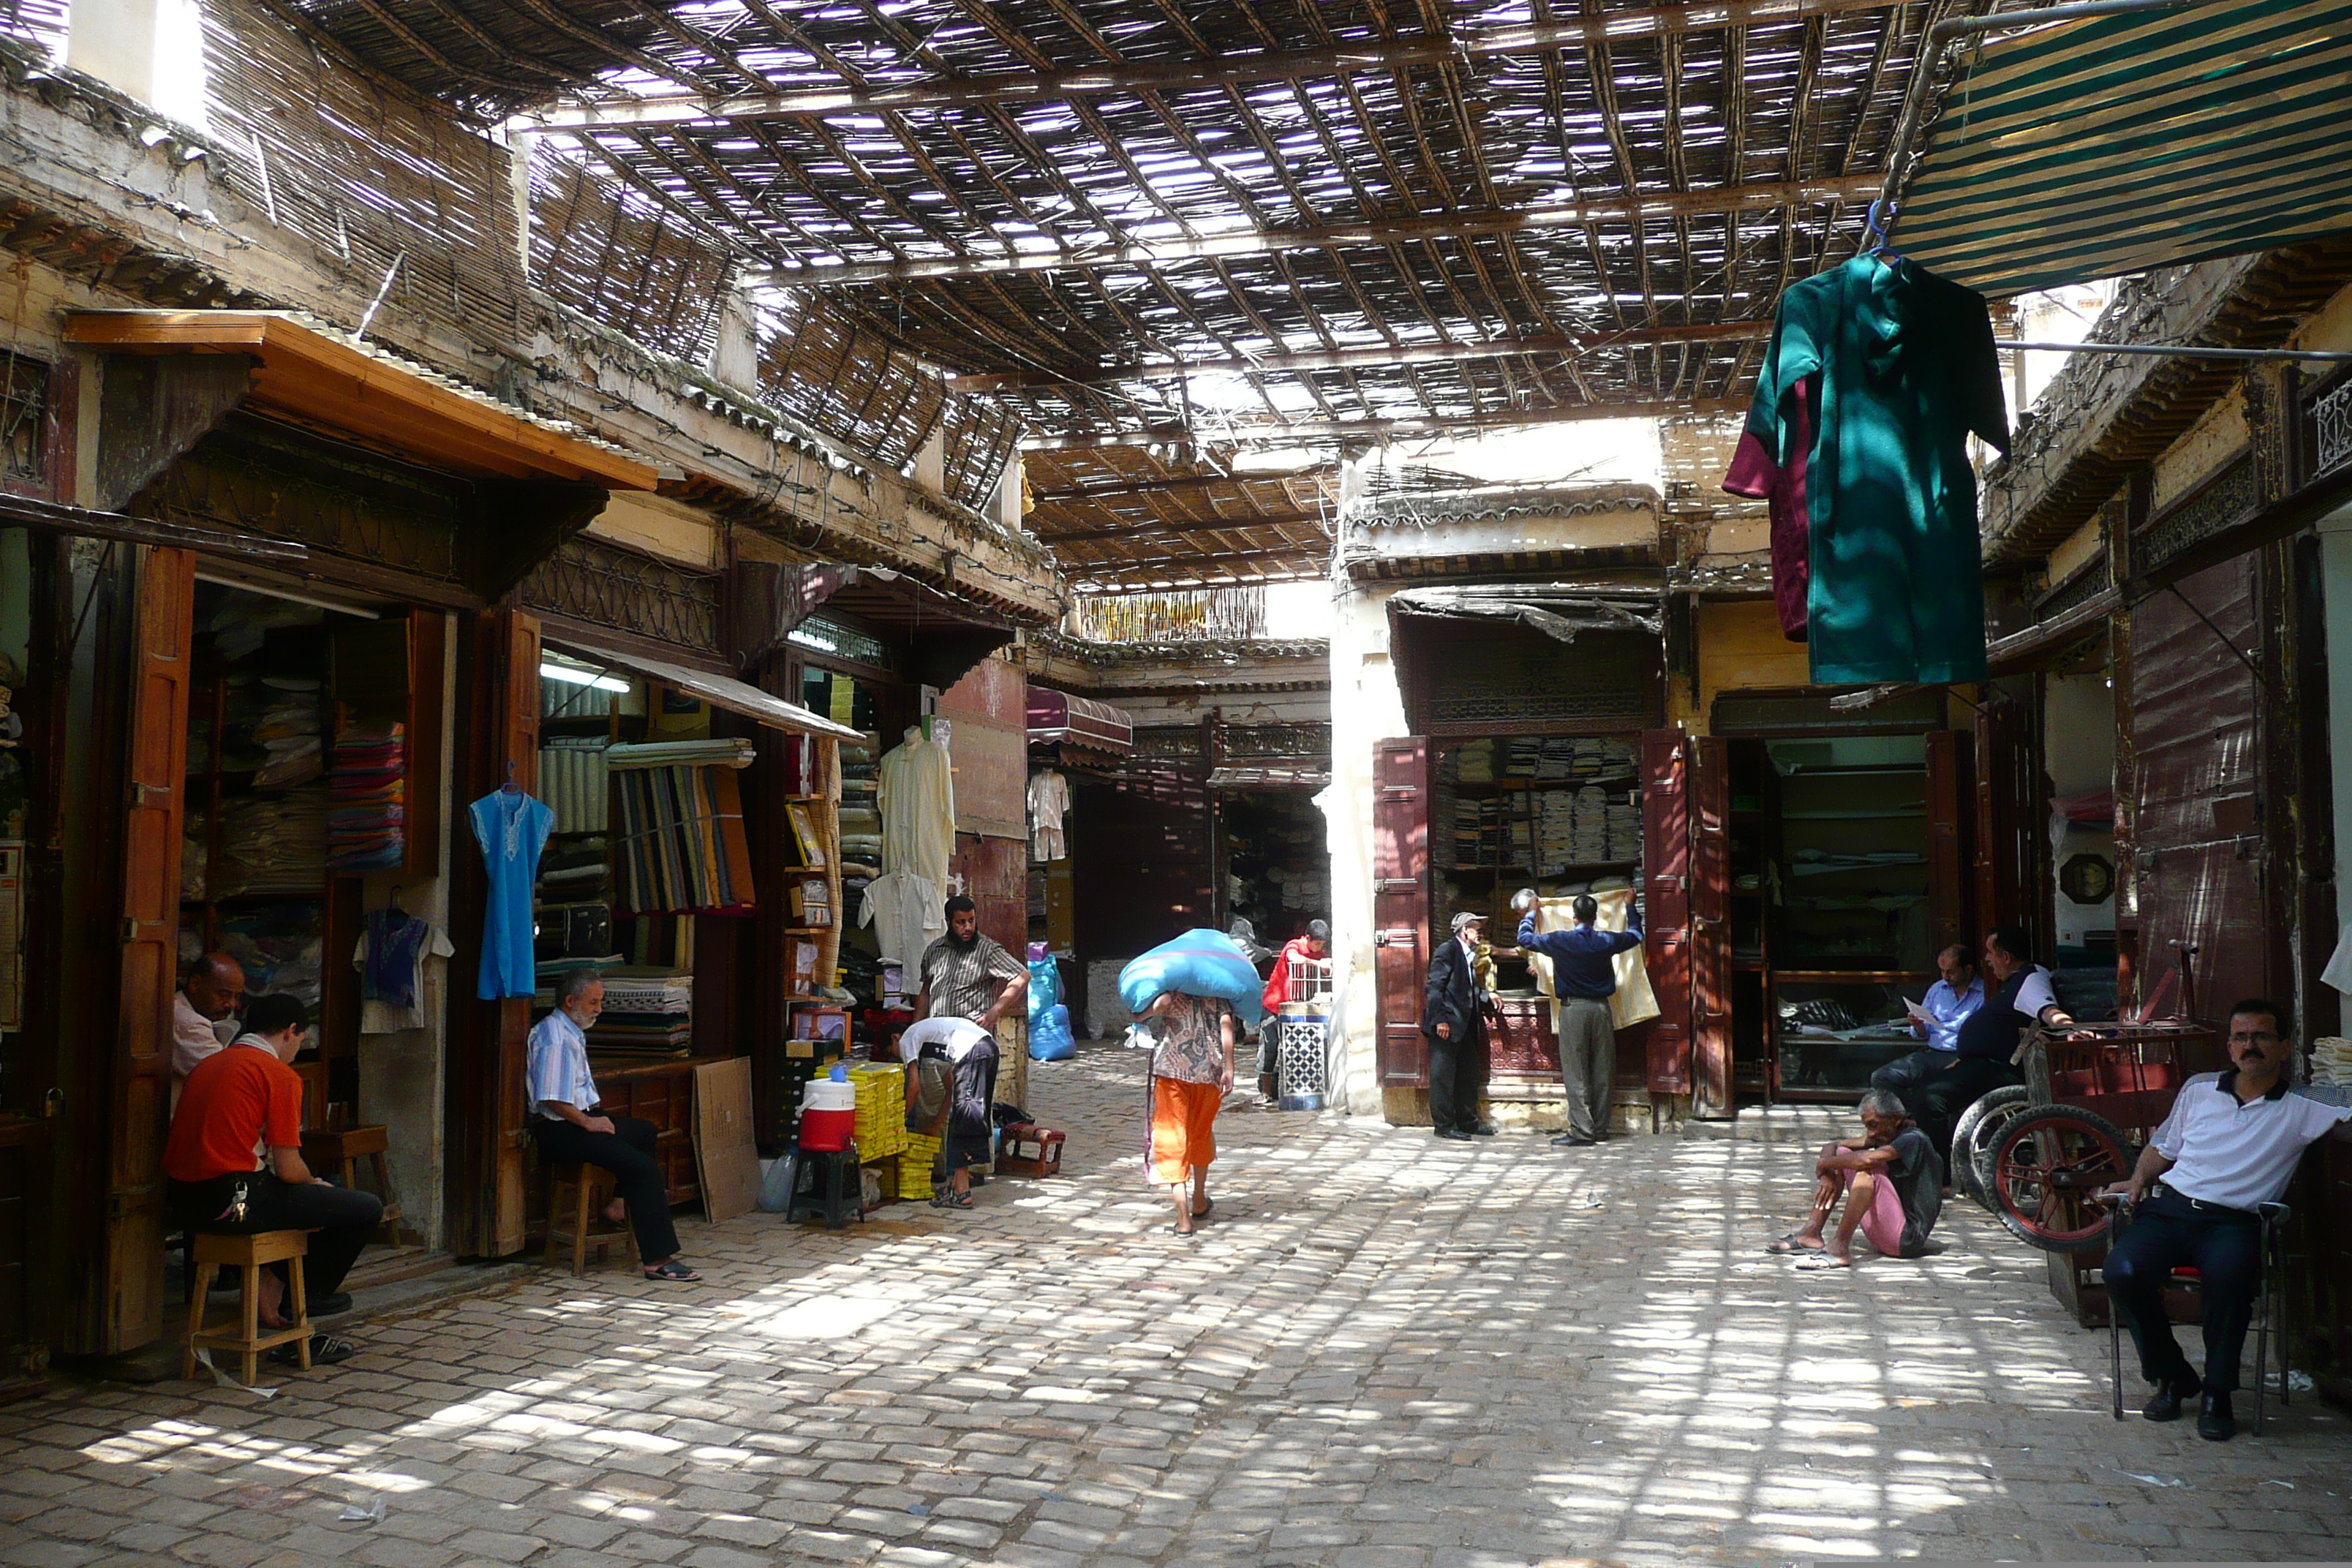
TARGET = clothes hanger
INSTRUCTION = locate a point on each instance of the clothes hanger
(510, 787)
(1881, 233)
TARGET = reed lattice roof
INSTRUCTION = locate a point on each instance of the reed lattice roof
(1231, 221)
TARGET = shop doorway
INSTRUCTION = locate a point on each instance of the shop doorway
(1277, 862)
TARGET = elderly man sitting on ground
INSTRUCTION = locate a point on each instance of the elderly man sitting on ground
(1892, 1183)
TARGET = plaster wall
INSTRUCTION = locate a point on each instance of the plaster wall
(1366, 708)
(1740, 647)
(1505, 535)
(2209, 443)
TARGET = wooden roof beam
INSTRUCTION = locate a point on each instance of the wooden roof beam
(1375, 356)
(1758, 196)
(1124, 77)
(1295, 430)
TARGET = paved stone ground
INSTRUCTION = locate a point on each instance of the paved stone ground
(1384, 1352)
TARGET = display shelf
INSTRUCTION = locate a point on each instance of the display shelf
(1543, 786)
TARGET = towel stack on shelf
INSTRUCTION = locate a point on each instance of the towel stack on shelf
(367, 823)
(1590, 839)
(574, 782)
(680, 829)
(2331, 1062)
(1624, 830)
(1476, 764)
(648, 1013)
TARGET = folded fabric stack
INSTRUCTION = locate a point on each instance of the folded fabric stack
(2331, 1062)
(1476, 763)
(367, 828)
(573, 781)
(273, 730)
(272, 843)
(680, 829)
(195, 855)
(579, 868)
(1555, 830)
(861, 830)
(1624, 830)
(1591, 839)
(648, 1013)
(280, 949)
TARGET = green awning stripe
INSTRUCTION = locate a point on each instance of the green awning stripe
(2061, 187)
(2119, 144)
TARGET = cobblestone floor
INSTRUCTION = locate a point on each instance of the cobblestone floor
(1384, 1352)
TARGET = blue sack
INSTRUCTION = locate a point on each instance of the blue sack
(1049, 1038)
(1044, 987)
(1201, 963)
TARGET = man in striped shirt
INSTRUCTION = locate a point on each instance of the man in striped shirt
(967, 975)
(564, 1104)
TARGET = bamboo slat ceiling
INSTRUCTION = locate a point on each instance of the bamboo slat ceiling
(1231, 221)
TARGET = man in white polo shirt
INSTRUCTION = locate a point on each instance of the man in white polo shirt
(2230, 1146)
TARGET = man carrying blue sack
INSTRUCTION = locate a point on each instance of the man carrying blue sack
(1584, 976)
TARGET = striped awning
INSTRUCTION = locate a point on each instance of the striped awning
(2095, 148)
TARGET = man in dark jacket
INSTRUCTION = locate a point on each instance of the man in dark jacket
(1453, 1017)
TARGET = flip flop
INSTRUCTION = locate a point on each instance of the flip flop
(1207, 1205)
(951, 1199)
(1187, 1235)
(1822, 1263)
(674, 1271)
(1788, 1243)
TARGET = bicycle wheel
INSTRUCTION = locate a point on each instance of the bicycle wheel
(1974, 1138)
(2049, 1162)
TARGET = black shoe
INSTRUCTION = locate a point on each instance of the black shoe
(1484, 1129)
(2215, 1422)
(328, 1306)
(1453, 1134)
(325, 1351)
(2166, 1406)
(1573, 1141)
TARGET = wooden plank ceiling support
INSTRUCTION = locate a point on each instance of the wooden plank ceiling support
(1153, 530)
(1126, 78)
(1368, 429)
(1374, 356)
(1752, 196)
(1083, 495)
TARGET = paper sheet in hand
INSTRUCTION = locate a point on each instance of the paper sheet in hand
(1919, 1012)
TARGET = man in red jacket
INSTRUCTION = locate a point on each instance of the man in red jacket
(1310, 947)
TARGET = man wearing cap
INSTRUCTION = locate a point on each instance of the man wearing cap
(1310, 949)
(1453, 1017)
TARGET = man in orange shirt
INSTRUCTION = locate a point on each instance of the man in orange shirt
(236, 1102)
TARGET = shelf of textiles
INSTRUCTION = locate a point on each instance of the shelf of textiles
(296, 781)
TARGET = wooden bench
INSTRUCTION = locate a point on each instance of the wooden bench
(592, 1188)
(248, 1255)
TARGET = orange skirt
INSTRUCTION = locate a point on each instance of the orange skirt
(1183, 1128)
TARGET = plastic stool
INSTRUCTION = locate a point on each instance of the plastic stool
(825, 1173)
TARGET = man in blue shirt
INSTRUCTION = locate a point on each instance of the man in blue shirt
(1949, 1003)
(1583, 976)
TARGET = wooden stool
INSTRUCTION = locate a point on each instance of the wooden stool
(208, 1249)
(340, 1153)
(592, 1189)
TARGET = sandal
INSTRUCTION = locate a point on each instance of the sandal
(674, 1271)
(951, 1199)
(1187, 1235)
(1788, 1243)
(1822, 1263)
(1207, 1206)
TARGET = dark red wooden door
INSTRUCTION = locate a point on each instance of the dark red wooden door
(154, 766)
(1666, 842)
(1401, 908)
(1947, 865)
(1710, 928)
(2009, 827)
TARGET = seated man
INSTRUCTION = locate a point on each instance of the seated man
(1892, 1183)
(236, 1102)
(1951, 1001)
(2018, 996)
(569, 1131)
(2230, 1146)
(211, 994)
(1309, 948)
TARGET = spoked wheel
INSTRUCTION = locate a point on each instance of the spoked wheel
(2049, 1163)
(1977, 1135)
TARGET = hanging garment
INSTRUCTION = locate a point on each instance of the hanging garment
(512, 828)
(908, 914)
(423, 980)
(1049, 799)
(1896, 589)
(1756, 473)
(918, 804)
